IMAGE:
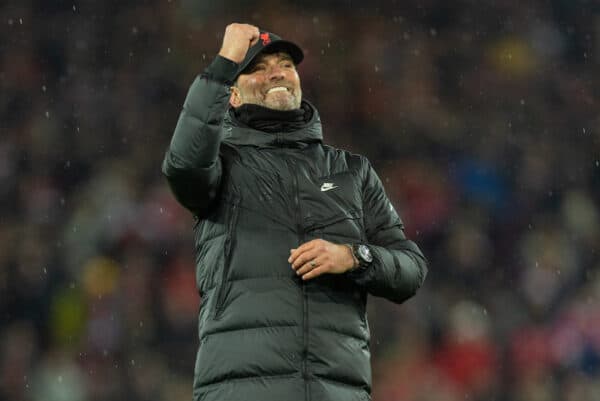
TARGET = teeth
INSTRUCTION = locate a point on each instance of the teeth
(277, 89)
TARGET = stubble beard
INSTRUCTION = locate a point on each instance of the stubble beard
(288, 102)
(279, 101)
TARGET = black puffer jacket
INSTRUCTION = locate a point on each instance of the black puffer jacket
(264, 333)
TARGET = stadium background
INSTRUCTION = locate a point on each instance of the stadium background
(482, 118)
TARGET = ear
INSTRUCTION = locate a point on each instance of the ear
(235, 100)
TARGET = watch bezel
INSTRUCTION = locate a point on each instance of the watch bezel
(363, 254)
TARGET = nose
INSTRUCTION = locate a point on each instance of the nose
(276, 73)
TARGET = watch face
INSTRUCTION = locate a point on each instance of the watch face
(365, 253)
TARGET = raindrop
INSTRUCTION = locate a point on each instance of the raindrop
(522, 102)
(141, 323)
(21, 21)
(43, 88)
(597, 163)
(161, 210)
(74, 8)
(583, 130)
(168, 50)
(59, 379)
(47, 114)
(133, 362)
(10, 21)
(45, 270)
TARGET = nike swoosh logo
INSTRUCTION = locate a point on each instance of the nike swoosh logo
(327, 186)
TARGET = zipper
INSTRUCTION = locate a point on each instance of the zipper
(301, 237)
(220, 296)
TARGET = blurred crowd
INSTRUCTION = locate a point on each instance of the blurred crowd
(482, 119)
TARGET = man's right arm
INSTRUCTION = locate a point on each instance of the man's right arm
(192, 164)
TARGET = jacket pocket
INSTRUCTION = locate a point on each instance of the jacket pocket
(222, 287)
(349, 215)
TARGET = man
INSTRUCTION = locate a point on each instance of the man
(291, 234)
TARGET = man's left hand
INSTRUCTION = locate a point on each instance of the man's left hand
(318, 256)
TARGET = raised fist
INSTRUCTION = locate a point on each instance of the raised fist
(237, 40)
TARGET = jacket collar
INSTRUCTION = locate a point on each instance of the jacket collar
(236, 133)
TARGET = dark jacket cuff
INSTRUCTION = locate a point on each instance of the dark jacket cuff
(222, 70)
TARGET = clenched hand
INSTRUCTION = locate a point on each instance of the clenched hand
(237, 40)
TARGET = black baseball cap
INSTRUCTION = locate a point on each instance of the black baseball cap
(270, 43)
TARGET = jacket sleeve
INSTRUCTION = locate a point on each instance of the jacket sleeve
(192, 165)
(399, 267)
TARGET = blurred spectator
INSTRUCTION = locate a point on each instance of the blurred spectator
(482, 117)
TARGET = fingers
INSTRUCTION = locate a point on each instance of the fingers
(303, 254)
(255, 37)
(310, 259)
(328, 257)
(310, 265)
(237, 40)
(317, 271)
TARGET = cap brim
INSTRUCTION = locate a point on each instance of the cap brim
(285, 46)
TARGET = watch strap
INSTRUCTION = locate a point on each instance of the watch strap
(356, 261)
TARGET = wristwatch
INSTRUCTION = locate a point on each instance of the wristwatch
(362, 253)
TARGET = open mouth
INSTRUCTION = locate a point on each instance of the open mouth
(277, 89)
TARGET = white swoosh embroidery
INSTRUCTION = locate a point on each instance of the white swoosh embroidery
(328, 186)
